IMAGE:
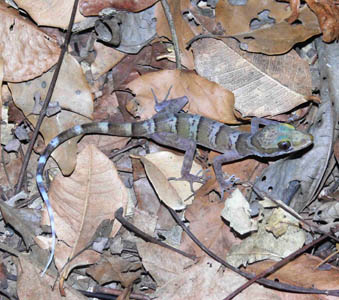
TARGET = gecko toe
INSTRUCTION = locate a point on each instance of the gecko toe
(191, 179)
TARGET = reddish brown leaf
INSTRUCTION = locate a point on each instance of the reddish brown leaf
(301, 272)
(54, 13)
(328, 17)
(206, 97)
(27, 51)
(216, 236)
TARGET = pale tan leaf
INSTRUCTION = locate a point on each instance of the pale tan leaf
(163, 264)
(162, 165)
(327, 212)
(256, 93)
(27, 51)
(264, 245)
(74, 96)
(31, 286)
(205, 97)
(237, 213)
(55, 13)
(208, 280)
(81, 202)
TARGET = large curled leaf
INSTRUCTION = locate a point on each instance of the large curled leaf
(81, 202)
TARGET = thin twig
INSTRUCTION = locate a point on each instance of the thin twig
(146, 237)
(47, 100)
(170, 21)
(205, 36)
(266, 282)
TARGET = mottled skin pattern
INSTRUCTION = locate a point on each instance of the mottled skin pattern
(184, 132)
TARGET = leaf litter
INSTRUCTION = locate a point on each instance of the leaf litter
(222, 82)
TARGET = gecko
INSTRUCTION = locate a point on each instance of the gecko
(184, 131)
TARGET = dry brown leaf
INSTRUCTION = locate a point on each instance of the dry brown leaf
(208, 280)
(74, 96)
(106, 58)
(274, 38)
(145, 221)
(105, 143)
(183, 30)
(114, 268)
(207, 225)
(162, 165)
(55, 13)
(31, 286)
(205, 97)
(80, 202)
(146, 197)
(256, 94)
(27, 51)
(93, 7)
(13, 171)
(163, 264)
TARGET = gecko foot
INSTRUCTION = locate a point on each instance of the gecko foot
(227, 185)
(191, 179)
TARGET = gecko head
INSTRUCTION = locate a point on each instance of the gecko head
(279, 139)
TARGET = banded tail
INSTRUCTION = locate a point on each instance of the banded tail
(140, 129)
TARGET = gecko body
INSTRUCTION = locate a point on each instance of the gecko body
(184, 132)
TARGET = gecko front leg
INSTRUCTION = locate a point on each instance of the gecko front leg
(187, 145)
(225, 184)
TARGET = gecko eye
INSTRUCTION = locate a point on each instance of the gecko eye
(284, 145)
